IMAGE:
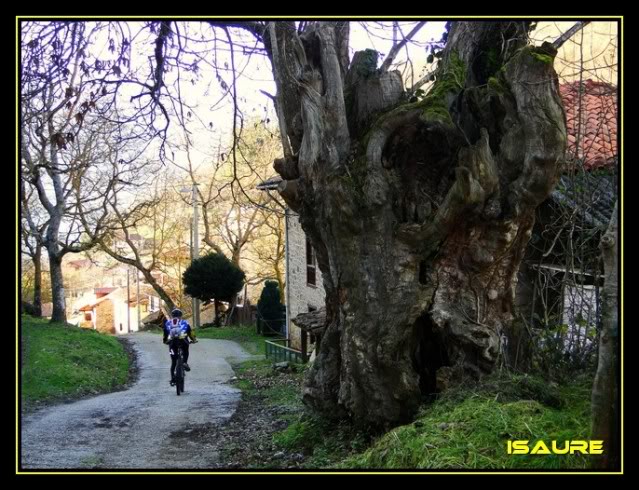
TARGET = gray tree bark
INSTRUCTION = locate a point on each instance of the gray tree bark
(419, 211)
(59, 313)
(37, 280)
(605, 390)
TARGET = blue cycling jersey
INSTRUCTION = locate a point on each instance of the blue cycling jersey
(176, 328)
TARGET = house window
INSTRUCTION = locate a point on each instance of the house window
(87, 316)
(311, 264)
(154, 306)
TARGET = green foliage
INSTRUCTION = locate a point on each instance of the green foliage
(270, 310)
(62, 360)
(213, 277)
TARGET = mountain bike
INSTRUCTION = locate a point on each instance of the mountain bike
(180, 373)
(177, 346)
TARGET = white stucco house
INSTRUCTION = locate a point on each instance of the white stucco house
(108, 310)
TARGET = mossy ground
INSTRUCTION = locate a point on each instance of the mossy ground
(469, 428)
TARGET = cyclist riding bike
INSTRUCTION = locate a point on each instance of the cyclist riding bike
(178, 332)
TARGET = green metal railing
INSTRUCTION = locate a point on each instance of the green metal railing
(274, 349)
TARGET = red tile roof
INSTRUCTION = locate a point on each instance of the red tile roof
(78, 264)
(591, 115)
(103, 291)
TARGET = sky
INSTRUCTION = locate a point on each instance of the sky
(257, 77)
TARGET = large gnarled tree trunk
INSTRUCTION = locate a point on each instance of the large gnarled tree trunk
(419, 211)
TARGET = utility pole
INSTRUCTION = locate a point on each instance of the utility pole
(128, 299)
(196, 254)
(137, 287)
(287, 215)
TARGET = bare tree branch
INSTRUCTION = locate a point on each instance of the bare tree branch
(557, 43)
(397, 47)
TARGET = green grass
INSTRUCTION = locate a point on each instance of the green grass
(324, 443)
(65, 361)
(466, 428)
(245, 335)
(277, 389)
(246, 372)
(469, 428)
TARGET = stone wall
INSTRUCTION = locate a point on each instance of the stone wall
(301, 295)
(104, 317)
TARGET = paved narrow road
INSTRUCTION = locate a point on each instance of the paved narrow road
(146, 426)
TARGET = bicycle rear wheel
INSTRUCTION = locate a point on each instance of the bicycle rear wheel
(179, 376)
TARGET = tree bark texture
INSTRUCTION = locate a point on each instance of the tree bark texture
(59, 313)
(605, 391)
(419, 210)
(37, 280)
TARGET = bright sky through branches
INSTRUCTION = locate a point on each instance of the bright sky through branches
(256, 78)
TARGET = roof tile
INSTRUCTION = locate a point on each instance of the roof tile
(591, 117)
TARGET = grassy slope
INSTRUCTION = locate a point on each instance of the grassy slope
(465, 429)
(245, 335)
(60, 361)
(469, 429)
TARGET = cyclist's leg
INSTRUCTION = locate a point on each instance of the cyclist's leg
(185, 355)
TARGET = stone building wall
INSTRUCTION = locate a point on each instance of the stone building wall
(301, 295)
(104, 317)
